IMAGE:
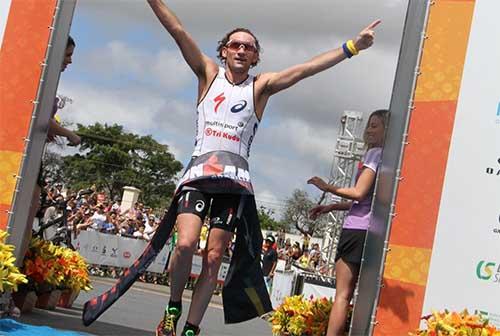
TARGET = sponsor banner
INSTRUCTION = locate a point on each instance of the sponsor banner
(196, 269)
(465, 265)
(112, 250)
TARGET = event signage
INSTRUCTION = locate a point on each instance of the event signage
(112, 250)
(465, 265)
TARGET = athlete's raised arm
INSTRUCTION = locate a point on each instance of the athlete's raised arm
(278, 81)
(201, 64)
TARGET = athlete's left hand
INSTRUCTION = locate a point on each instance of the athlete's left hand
(365, 38)
(318, 182)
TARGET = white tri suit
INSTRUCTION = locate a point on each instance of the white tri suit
(217, 177)
(226, 124)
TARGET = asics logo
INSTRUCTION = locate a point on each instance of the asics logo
(239, 106)
(199, 206)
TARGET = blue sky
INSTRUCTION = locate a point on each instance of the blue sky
(126, 69)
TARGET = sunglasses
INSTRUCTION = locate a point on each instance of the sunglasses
(236, 45)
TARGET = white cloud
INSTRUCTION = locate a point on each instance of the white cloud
(164, 68)
(91, 104)
(292, 20)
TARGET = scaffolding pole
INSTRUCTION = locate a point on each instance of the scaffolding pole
(349, 150)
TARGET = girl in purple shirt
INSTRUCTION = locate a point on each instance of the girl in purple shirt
(350, 247)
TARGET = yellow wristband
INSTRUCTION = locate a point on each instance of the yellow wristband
(351, 47)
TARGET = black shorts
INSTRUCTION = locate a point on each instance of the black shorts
(223, 208)
(351, 244)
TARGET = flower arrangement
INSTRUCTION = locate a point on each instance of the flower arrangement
(10, 277)
(456, 324)
(76, 275)
(55, 266)
(298, 316)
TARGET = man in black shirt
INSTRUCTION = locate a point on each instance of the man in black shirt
(269, 261)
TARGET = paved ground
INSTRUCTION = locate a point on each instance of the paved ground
(138, 312)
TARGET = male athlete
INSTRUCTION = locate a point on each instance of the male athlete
(231, 103)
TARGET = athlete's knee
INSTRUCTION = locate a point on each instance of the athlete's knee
(185, 247)
(213, 259)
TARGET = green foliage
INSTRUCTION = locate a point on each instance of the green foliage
(111, 158)
(267, 222)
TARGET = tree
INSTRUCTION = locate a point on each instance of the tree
(111, 158)
(297, 212)
(267, 222)
(53, 167)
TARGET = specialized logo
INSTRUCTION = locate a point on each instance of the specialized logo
(484, 270)
(239, 106)
(199, 206)
(218, 100)
(127, 255)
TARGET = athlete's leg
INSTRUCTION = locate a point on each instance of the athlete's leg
(192, 209)
(346, 277)
(189, 228)
(218, 240)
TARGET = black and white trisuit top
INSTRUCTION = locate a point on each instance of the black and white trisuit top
(226, 119)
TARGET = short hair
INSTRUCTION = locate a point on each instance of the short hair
(222, 43)
(71, 42)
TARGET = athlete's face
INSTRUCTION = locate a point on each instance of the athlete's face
(240, 52)
(375, 131)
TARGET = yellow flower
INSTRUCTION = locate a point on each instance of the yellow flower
(298, 316)
(57, 266)
(10, 276)
(456, 324)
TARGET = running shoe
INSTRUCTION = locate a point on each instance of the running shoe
(168, 325)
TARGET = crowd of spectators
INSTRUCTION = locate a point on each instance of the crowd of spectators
(308, 259)
(93, 210)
